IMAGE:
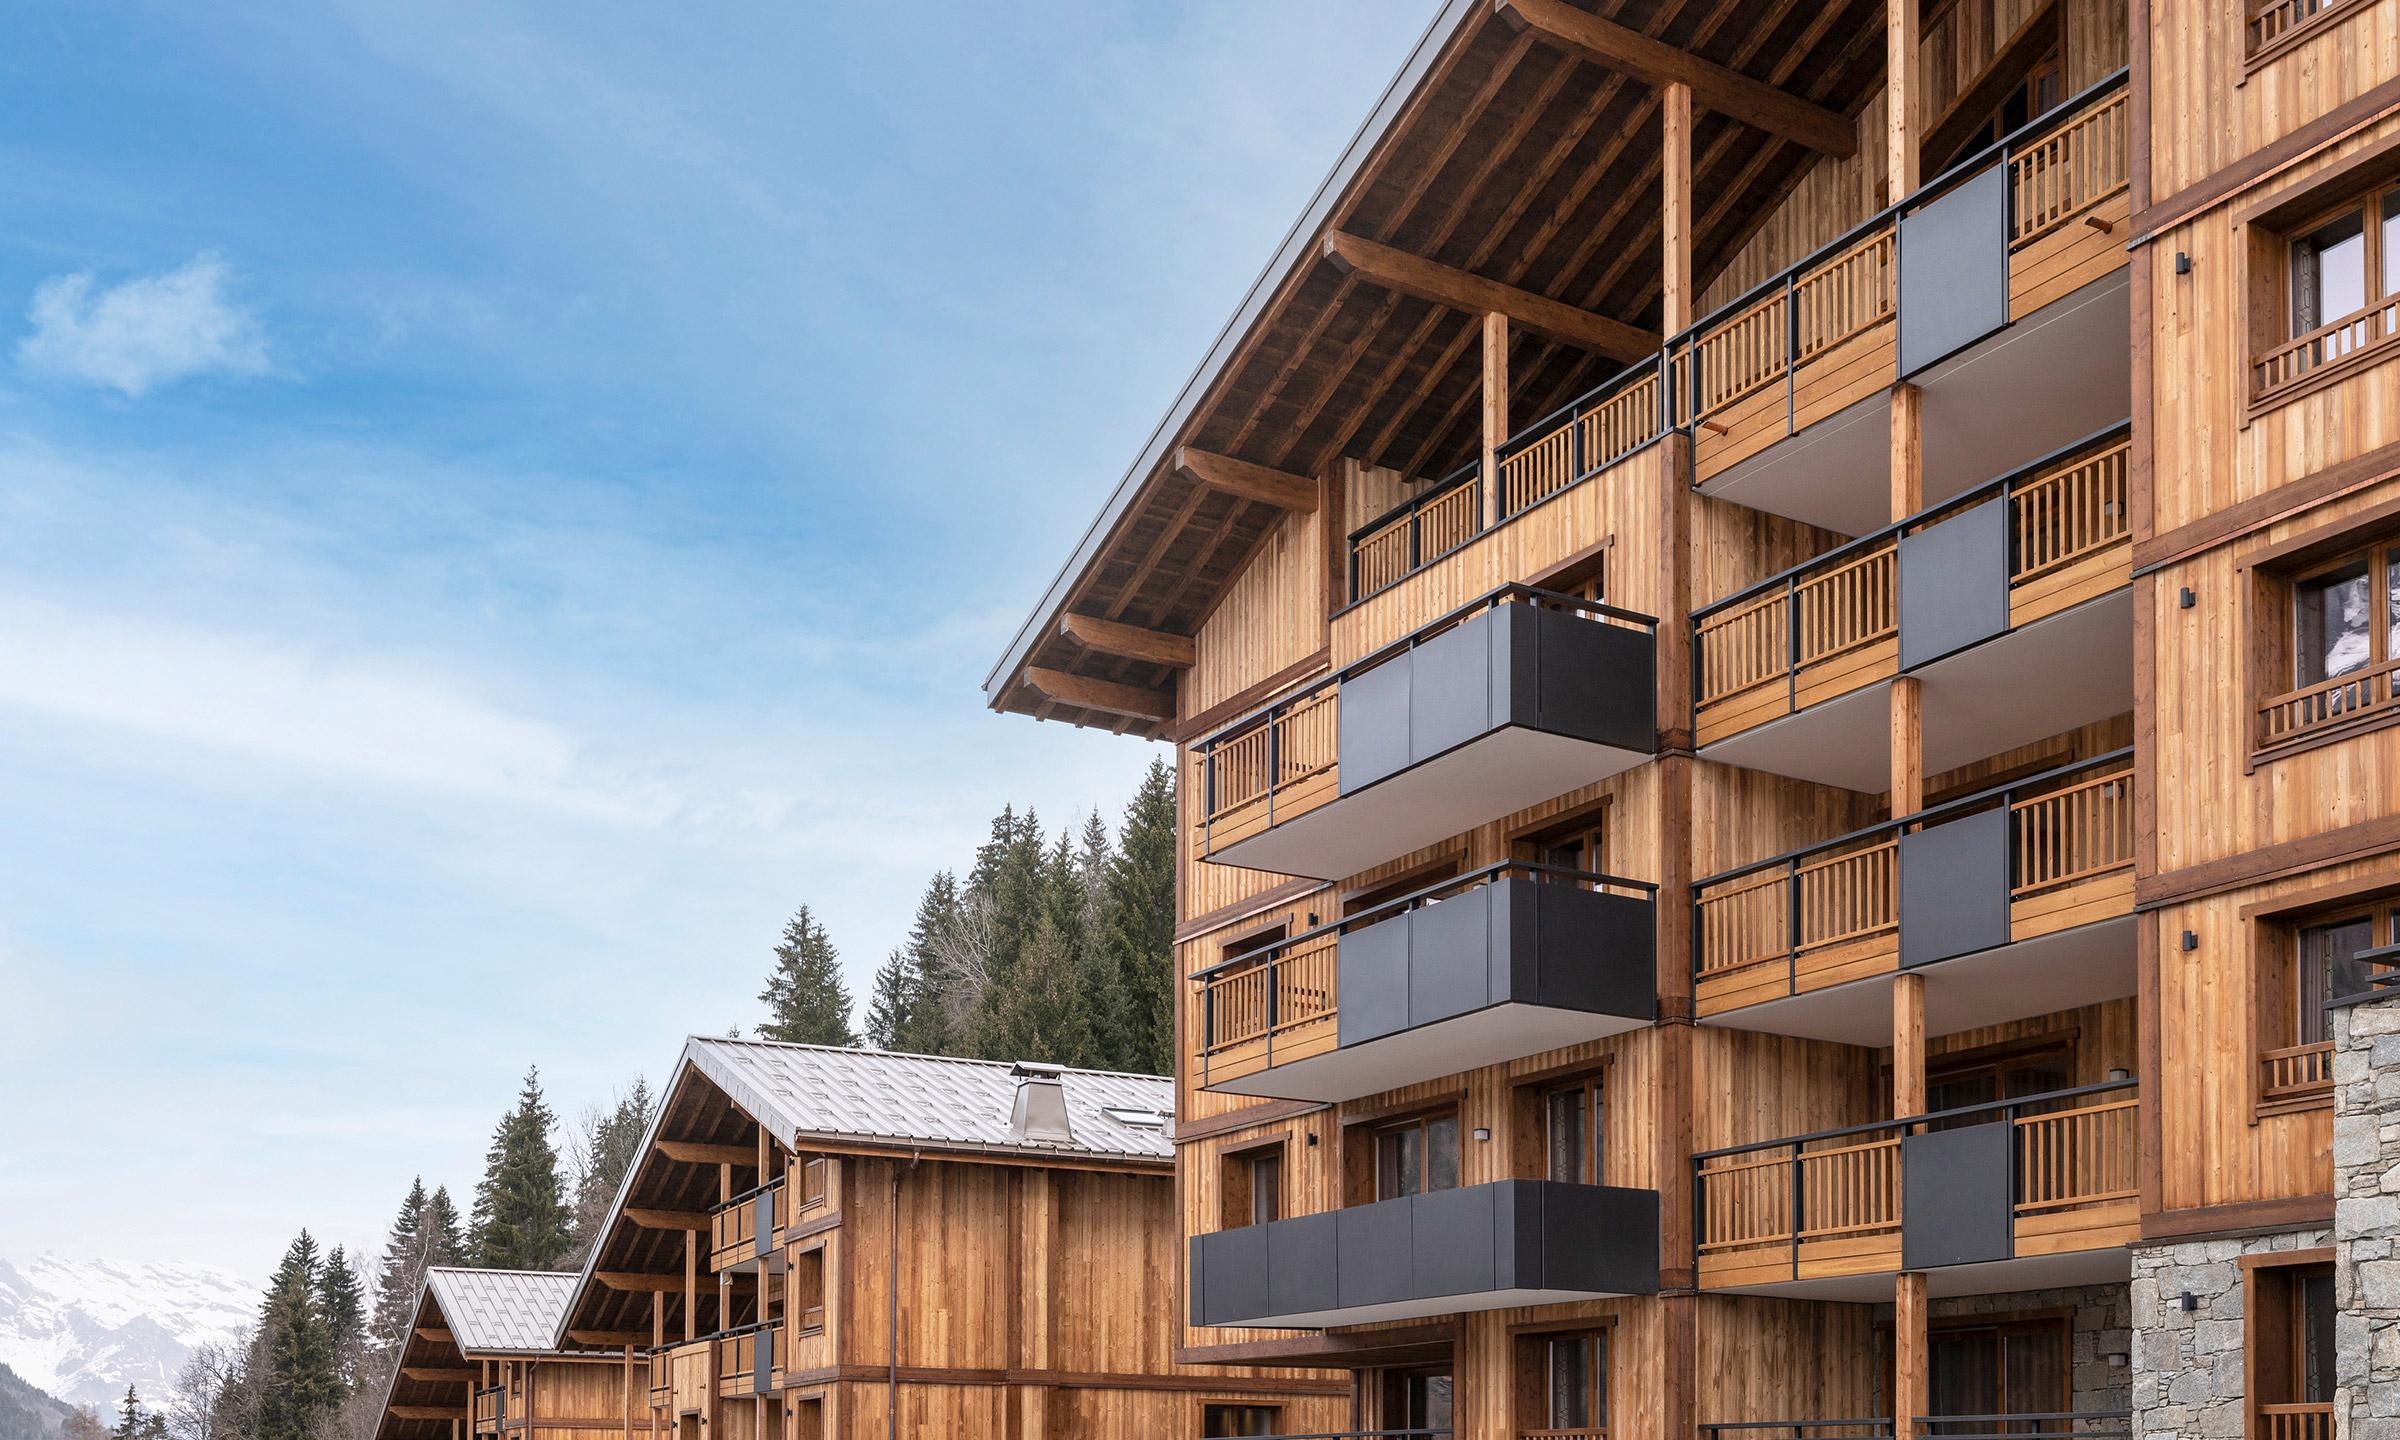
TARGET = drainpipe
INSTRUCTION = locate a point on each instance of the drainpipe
(891, 1393)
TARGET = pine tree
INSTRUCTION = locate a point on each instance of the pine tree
(299, 1384)
(342, 1300)
(520, 1220)
(1042, 1015)
(1139, 924)
(892, 1008)
(445, 1241)
(399, 1277)
(132, 1423)
(807, 1003)
(607, 1142)
(927, 1030)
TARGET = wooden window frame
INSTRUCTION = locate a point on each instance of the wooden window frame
(2274, 929)
(2269, 1319)
(2270, 578)
(1240, 1159)
(2267, 231)
(811, 1254)
(1590, 819)
(1528, 1377)
(1593, 1084)
(1202, 1405)
(2254, 56)
(1361, 1178)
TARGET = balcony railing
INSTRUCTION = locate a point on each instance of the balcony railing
(1412, 535)
(2273, 25)
(2354, 336)
(2304, 1420)
(1582, 438)
(682, 1375)
(491, 1409)
(1831, 625)
(796, 1204)
(1283, 759)
(2055, 1425)
(1817, 910)
(1282, 1003)
(1830, 1203)
(2327, 706)
(746, 1358)
(743, 1228)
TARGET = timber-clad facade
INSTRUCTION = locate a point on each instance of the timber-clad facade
(1780, 624)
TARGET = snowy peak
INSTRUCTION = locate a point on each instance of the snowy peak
(85, 1329)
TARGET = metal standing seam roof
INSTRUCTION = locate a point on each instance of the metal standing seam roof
(802, 1091)
(502, 1309)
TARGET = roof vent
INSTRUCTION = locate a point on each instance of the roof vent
(1040, 1114)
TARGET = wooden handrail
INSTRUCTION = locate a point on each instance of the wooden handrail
(2296, 714)
(1416, 532)
(1581, 440)
(2301, 357)
(2075, 510)
(2073, 833)
(2295, 1070)
(2305, 1420)
(2067, 171)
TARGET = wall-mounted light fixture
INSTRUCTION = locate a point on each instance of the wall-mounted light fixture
(2188, 1301)
(2183, 263)
(2191, 941)
(1482, 1133)
(2187, 599)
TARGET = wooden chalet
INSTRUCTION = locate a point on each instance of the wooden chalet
(1779, 624)
(818, 1243)
(485, 1357)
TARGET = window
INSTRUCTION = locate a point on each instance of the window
(2329, 968)
(1253, 1180)
(2324, 609)
(2340, 288)
(2346, 616)
(1217, 1420)
(2289, 1310)
(1416, 1156)
(1571, 1132)
(806, 1296)
(1578, 842)
(2014, 1367)
(1575, 1381)
(1416, 1400)
(1990, 1077)
(2043, 88)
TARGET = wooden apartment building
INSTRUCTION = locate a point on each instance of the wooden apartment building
(485, 1357)
(1780, 623)
(828, 1244)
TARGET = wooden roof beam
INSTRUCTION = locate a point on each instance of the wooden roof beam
(1279, 488)
(431, 1375)
(635, 1281)
(1105, 696)
(650, 1219)
(698, 1152)
(429, 1412)
(1132, 642)
(1656, 63)
(1459, 290)
(433, 1335)
(609, 1339)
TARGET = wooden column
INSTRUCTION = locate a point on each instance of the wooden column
(1675, 219)
(1900, 92)
(1907, 786)
(1908, 1046)
(1495, 409)
(1909, 1358)
(691, 1283)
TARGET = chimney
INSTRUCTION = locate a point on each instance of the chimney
(1040, 1114)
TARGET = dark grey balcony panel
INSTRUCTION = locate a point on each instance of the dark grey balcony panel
(1482, 1247)
(762, 1361)
(1954, 890)
(1954, 584)
(1955, 1206)
(1514, 941)
(1954, 270)
(1513, 665)
(762, 1223)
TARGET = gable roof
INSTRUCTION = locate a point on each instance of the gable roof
(805, 1092)
(502, 1309)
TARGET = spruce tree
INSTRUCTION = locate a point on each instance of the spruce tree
(892, 1008)
(341, 1299)
(1042, 1015)
(445, 1239)
(1139, 924)
(299, 1384)
(130, 1424)
(807, 1003)
(520, 1220)
(926, 1029)
(400, 1275)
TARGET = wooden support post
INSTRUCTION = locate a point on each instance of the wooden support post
(1908, 1046)
(1675, 220)
(1907, 788)
(1910, 1369)
(1900, 65)
(691, 1285)
(1495, 409)
(1908, 451)
(1908, 746)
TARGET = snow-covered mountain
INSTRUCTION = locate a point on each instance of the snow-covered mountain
(85, 1329)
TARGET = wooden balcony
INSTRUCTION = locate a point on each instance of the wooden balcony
(1507, 961)
(1999, 289)
(742, 1230)
(491, 1409)
(2055, 1425)
(2328, 708)
(683, 1377)
(1514, 698)
(2271, 27)
(1997, 879)
(2304, 1420)
(2034, 1178)
(746, 1359)
(1834, 626)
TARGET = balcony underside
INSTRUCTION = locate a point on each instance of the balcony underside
(2107, 1265)
(1496, 774)
(2033, 682)
(2040, 384)
(1491, 1036)
(2037, 976)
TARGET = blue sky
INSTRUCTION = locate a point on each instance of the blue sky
(500, 503)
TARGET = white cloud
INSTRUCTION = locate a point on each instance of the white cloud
(142, 332)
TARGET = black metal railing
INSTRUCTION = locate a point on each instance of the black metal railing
(1416, 532)
(2055, 1425)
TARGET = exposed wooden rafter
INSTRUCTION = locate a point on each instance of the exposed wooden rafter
(1654, 62)
(429, 1412)
(1973, 108)
(699, 1152)
(632, 1280)
(665, 1219)
(1459, 290)
(1279, 488)
(1115, 637)
(431, 1375)
(1106, 696)
(609, 1339)
(433, 1335)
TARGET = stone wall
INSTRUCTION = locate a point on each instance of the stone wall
(2188, 1377)
(2366, 1219)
